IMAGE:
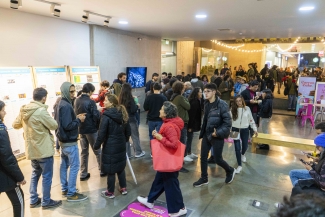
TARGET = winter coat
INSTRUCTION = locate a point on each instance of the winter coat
(182, 106)
(246, 94)
(244, 119)
(318, 174)
(84, 104)
(37, 124)
(113, 134)
(101, 97)
(195, 115)
(171, 132)
(132, 109)
(250, 73)
(243, 87)
(266, 108)
(237, 88)
(64, 115)
(217, 117)
(10, 172)
(187, 93)
(197, 83)
(169, 93)
(225, 94)
(218, 81)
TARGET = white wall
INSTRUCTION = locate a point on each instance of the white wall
(33, 40)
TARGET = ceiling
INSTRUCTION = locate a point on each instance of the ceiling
(299, 48)
(175, 20)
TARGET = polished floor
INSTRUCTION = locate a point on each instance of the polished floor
(264, 178)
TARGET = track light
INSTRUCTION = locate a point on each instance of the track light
(56, 12)
(85, 18)
(14, 4)
(106, 22)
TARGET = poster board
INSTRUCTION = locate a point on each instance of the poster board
(88, 74)
(16, 90)
(305, 85)
(320, 92)
(51, 78)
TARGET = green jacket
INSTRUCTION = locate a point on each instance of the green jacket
(182, 106)
(225, 94)
(250, 72)
(292, 86)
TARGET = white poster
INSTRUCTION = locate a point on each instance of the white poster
(16, 89)
(305, 85)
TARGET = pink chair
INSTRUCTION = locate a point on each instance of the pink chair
(308, 114)
(304, 108)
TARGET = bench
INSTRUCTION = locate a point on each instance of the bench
(284, 141)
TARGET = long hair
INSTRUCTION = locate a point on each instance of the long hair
(194, 94)
(126, 95)
(234, 107)
(113, 99)
(2, 105)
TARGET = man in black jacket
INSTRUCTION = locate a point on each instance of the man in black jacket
(155, 77)
(11, 176)
(88, 129)
(215, 128)
(67, 133)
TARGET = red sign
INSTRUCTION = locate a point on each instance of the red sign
(321, 53)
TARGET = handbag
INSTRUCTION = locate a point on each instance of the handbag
(166, 159)
(236, 134)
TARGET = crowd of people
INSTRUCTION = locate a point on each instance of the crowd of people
(187, 103)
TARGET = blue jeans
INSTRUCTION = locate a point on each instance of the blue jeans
(69, 158)
(44, 167)
(291, 101)
(152, 125)
(295, 175)
(241, 149)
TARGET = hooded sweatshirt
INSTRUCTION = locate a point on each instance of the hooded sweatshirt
(37, 124)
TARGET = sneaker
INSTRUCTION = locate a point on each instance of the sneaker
(180, 213)
(77, 197)
(140, 155)
(243, 158)
(64, 193)
(211, 160)
(57, 153)
(200, 182)
(108, 194)
(238, 170)
(38, 202)
(230, 176)
(193, 156)
(188, 159)
(144, 201)
(183, 170)
(85, 178)
(123, 191)
(52, 204)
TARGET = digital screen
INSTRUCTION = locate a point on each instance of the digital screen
(136, 76)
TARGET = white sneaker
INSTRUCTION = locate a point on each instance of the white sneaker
(140, 155)
(180, 213)
(188, 159)
(144, 201)
(239, 169)
(243, 158)
(193, 156)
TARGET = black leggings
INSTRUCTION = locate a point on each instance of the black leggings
(16, 197)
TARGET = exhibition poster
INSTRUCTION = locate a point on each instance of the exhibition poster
(305, 85)
(16, 90)
(51, 78)
(320, 92)
(300, 99)
(81, 75)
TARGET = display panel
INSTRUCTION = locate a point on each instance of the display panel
(136, 76)
(16, 90)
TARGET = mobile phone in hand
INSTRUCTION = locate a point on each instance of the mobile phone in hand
(304, 162)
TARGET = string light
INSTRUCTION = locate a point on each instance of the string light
(289, 48)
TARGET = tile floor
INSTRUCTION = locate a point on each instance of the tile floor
(264, 178)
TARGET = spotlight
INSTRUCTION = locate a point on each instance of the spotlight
(85, 18)
(14, 4)
(53, 10)
(57, 12)
(106, 22)
(139, 39)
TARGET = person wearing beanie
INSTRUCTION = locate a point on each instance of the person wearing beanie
(314, 171)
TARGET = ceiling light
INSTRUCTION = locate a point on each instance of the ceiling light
(85, 18)
(201, 16)
(123, 22)
(166, 41)
(56, 12)
(306, 8)
(14, 4)
(106, 22)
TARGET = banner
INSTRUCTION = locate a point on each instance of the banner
(16, 90)
(305, 85)
(320, 92)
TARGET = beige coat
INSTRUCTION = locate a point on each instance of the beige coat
(37, 123)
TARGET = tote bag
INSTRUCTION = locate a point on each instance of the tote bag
(167, 159)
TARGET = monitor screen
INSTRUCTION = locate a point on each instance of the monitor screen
(136, 76)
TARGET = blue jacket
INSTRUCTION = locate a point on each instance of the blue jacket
(237, 88)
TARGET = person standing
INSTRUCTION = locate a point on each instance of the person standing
(215, 128)
(224, 69)
(152, 105)
(126, 99)
(196, 82)
(87, 129)
(194, 122)
(104, 88)
(154, 78)
(266, 111)
(241, 119)
(168, 136)
(251, 72)
(117, 83)
(67, 134)
(11, 176)
(225, 89)
(290, 82)
(37, 124)
(114, 132)
(281, 75)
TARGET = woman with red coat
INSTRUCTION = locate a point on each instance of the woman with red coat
(169, 135)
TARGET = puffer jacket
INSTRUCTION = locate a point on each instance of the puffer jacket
(171, 132)
(318, 174)
(266, 108)
(84, 104)
(113, 134)
(37, 124)
(217, 117)
(10, 172)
